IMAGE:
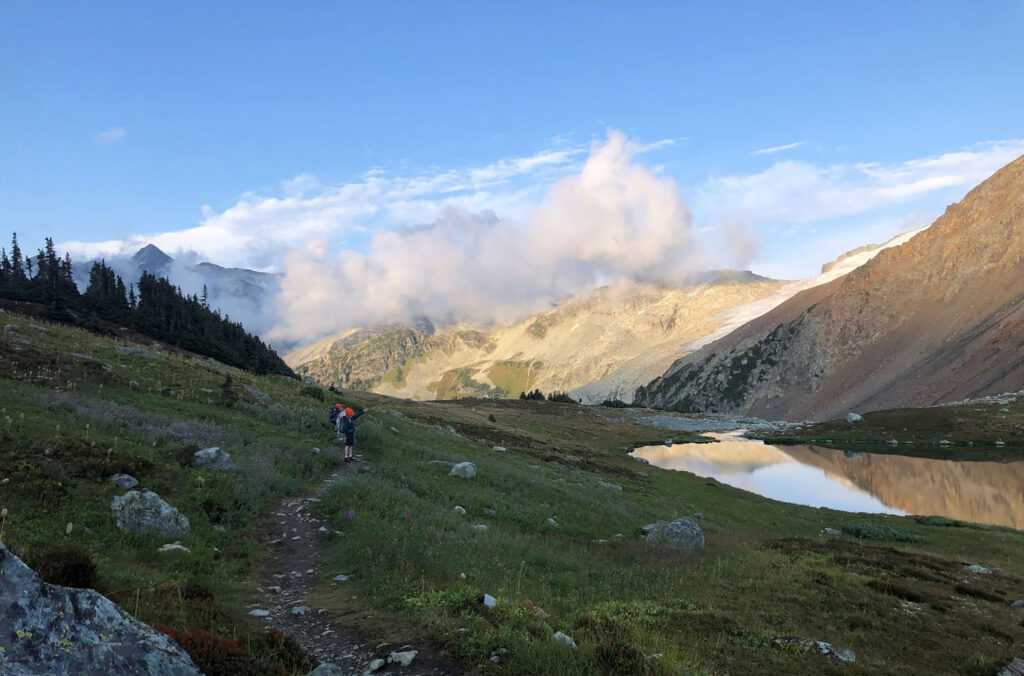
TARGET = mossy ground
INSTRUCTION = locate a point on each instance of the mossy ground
(67, 423)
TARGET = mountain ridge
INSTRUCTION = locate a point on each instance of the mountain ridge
(633, 327)
(936, 319)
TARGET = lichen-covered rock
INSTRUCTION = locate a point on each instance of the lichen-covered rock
(48, 629)
(466, 470)
(214, 458)
(125, 481)
(141, 512)
(563, 639)
(683, 533)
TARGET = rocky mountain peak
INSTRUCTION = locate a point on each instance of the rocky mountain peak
(935, 319)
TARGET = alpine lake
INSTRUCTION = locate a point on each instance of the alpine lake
(981, 492)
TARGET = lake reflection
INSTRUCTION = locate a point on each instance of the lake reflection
(983, 492)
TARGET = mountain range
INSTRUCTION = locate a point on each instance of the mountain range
(238, 292)
(939, 318)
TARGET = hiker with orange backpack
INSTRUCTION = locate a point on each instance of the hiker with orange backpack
(346, 427)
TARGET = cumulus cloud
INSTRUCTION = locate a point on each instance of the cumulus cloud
(488, 243)
(614, 219)
(109, 136)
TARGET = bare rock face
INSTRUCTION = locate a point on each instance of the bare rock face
(934, 320)
(140, 512)
(48, 629)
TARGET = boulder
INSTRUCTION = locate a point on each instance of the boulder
(48, 629)
(125, 481)
(459, 509)
(141, 512)
(610, 486)
(1014, 668)
(402, 658)
(683, 533)
(500, 449)
(214, 458)
(327, 669)
(564, 639)
(852, 417)
(466, 470)
(11, 328)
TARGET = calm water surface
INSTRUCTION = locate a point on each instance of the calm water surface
(983, 492)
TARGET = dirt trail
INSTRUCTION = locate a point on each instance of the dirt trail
(292, 573)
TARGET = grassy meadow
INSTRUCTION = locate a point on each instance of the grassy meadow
(563, 506)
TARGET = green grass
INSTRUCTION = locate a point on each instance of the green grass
(67, 424)
(967, 432)
(766, 573)
(514, 377)
(894, 590)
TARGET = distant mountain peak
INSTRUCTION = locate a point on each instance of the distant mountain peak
(151, 259)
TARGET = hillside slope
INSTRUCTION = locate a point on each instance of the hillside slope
(597, 345)
(937, 319)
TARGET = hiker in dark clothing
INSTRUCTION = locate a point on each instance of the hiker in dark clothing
(347, 428)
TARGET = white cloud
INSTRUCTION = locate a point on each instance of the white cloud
(258, 228)
(778, 149)
(495, 241)
(301, 185)
(109, 136)
(800, 192)
(613, 219)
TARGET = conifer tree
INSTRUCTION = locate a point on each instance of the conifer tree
(17, 267)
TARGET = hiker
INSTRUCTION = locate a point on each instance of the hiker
(347, 427)
(336, 412)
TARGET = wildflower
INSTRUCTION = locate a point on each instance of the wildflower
(408, 513)
(70, 527)
(351, 513)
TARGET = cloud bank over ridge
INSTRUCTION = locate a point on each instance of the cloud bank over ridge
(613, 219)
(489, 243)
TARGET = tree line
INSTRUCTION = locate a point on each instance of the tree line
(154, 307)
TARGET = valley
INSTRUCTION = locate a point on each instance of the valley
(550, 527)
(596, 346)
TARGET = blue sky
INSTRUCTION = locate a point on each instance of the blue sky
(218, 127)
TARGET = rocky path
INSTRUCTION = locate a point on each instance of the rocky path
(292, 573)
